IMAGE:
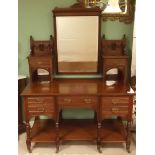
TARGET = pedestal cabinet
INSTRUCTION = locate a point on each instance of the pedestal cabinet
(41, 57)
(114, 56)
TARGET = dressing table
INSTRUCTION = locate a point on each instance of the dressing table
(82, 87)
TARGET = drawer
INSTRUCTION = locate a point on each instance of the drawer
(114, 111)
(114, 101)
(115, 62)
(40, 106)
(39, 62)
(40, 101)
(77, 101)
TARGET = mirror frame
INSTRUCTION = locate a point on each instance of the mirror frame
(126, 18)
(76, 11)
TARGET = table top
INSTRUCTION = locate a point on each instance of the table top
(75, 87)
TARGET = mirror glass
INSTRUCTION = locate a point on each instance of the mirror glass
(122, 10)
(77, 43)
(114, 6)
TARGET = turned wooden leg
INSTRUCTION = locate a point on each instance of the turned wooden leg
(128, 141)
(28, 140)
(28, 143)
(57, 137)
(98, 137)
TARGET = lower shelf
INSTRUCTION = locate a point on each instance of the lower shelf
(43, 131)
(78, 130)
(113, 131)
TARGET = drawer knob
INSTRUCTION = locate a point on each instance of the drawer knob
(68, 100)
(87, 100)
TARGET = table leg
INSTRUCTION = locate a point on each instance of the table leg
(128, 137)
(57, 137)
(99, 137)
(28, 140)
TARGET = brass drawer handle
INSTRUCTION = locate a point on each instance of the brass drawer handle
(115, 109)
(68, 100)
(87, 100)
(115, 101)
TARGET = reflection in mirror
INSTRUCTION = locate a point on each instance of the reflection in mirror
(114, 6)
(77, 43)
(122, 10)
(78, 88)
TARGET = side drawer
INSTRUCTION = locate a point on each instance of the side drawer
(39, 62)
(114, 62)
(40, 106)
(77, 101)
(114, 101)
(115, 111)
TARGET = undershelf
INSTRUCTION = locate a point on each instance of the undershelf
(113, 131)
(43, 131)
(78, 129)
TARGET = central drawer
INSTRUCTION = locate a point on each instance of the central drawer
(41, 106)
(77, 101)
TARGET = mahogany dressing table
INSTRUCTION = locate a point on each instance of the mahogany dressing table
(50, 98)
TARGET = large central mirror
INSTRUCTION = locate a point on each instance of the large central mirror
(77, 34)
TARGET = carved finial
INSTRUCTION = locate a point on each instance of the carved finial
(31, 44)
(103, 37)
(124, 40)
(51, 37)
(124, 36)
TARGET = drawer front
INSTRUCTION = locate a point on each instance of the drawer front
(110, 113)
(77, 101)
(114, 101)
(40, 106)
(39, 62)
(114, 106)
(114, 62)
